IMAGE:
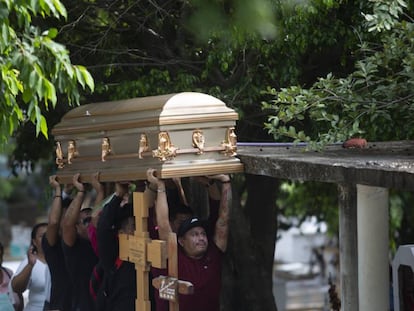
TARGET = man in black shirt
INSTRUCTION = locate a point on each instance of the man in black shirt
(80, 257)
(60, 289)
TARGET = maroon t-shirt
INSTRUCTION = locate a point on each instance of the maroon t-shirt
(204, 274)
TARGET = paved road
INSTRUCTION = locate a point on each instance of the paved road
(301, 294)
(309, 295)
(296, 289)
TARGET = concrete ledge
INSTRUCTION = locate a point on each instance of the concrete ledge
(380, 164)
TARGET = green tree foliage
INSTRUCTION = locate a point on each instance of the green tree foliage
(34, 68)
(229, 49)
(374, 101)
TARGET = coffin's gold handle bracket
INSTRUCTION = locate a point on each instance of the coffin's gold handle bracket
(166, 150)
(59, 155)
(72, 151)
(230, 143)
(198, 141)
(143, 145)
(106, 148)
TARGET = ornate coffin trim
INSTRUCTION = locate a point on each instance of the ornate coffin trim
(198, 141)
(143, 145)
(184, 134)
(106, 148)
(166, 150)
(72, 151)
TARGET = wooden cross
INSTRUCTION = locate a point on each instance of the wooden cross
(142, 251)
(170, 286)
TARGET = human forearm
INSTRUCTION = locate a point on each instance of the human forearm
(99, 188)
(54, 217)
(72, 213)
(56, 208)
(150, 192)
(161, 213)
(161, 205)
(70, 220)
(69, 232)
(21, 280)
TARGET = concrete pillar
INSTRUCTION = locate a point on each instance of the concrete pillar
(373, 262)
(348, 252)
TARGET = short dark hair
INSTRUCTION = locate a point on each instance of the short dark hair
(34, 232)
(123, 214)
(36, 227)
(179, 209)
(1, 248)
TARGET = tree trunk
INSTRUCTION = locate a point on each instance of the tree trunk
(248, 268)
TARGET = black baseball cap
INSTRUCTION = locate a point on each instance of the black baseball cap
(190, 224)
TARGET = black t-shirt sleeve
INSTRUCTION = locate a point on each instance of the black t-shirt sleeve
(45, 244)
(107, 234)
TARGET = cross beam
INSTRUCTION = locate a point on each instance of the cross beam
(142, 251)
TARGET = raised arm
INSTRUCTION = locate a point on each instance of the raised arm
(161, 205)
(222, 224)
(55, 212)
(99, 188)
(100, 196)
(24, 272)
(180, 189)
(69, 232)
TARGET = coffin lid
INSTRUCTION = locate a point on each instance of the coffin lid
(188, 107)
(124, 120)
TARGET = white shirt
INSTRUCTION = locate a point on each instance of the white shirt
(48, 284)
(36, 285)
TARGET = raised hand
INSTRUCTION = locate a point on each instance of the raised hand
(76, 182)
(31, 255)
(53, 182)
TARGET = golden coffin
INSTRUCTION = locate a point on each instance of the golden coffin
(184, 134)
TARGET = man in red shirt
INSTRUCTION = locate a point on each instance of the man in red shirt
(199, 260)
